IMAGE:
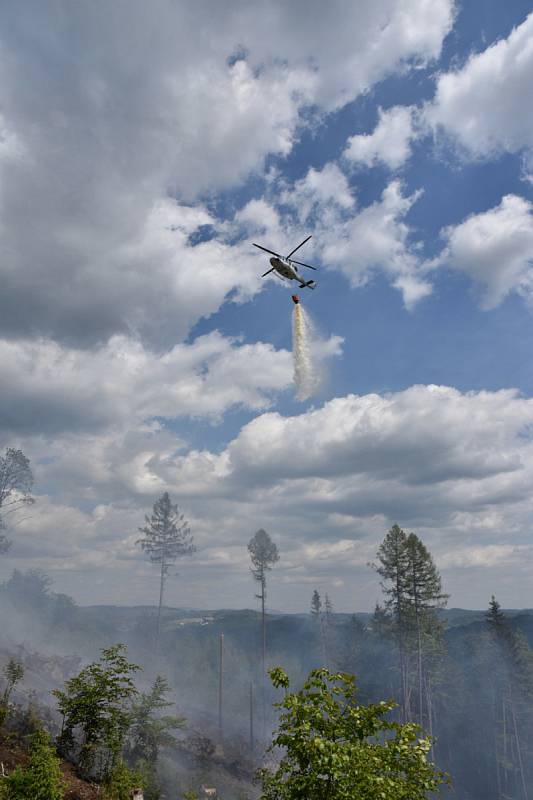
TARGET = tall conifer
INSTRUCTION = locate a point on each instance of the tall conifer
(424, 594)
(413, 590)
(166, 537)
(392, 567)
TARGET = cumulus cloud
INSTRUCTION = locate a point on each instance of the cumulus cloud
(320, 190)
(150, 282)
(388, 436)
(492, 555)
(487, 104)
(495, 248)
(109, 111)
(326, 483)
(390, 141)
(377, 239)
(50, 388)
(360, 242)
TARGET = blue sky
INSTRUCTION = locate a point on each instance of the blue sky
(142, 150)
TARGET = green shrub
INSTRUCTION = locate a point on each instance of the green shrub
(337, 749)
(41, 779)
(121, 782)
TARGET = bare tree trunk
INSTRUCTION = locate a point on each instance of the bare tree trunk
(408, 691)
(419, 656)
(429, 704)
(323, 640)
(406, 688)
(251, 718)
(263, 592)
(519, 752)
(263, 623)
(496, 748)
(161, 588)
(220, 687)
(505, 754)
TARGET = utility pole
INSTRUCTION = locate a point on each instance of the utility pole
(220, 686)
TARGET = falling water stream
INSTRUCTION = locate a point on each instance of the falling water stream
(305, 378)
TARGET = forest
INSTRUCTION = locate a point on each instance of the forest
(265, 522)
(195, 712)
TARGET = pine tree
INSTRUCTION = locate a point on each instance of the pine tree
(496, 619)
(167, 537)
(316, 606)
(264, 554)
(318, 620)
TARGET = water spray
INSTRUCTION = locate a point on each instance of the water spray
(305, 378)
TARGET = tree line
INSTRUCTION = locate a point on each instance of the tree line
(472, 693)
(334, 746)
(470, 688)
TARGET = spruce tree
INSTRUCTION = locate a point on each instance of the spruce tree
(512, 676)
(166, 537)
(413, 590)
(393, 567)
(424, 595)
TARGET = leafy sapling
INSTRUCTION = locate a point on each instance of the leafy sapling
(335, 748)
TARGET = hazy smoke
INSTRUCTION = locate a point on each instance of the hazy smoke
(305, 376)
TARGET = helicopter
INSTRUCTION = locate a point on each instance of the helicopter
(286, 267)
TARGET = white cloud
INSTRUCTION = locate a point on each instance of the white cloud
(108, 111)
(488, 103)
(390, 437)
(389, 143)
(327, 188)
(348, 47)
(50, 388)
(495, 248)
(492, 555)
(326, 483)
(377, 238)
(360, 242)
